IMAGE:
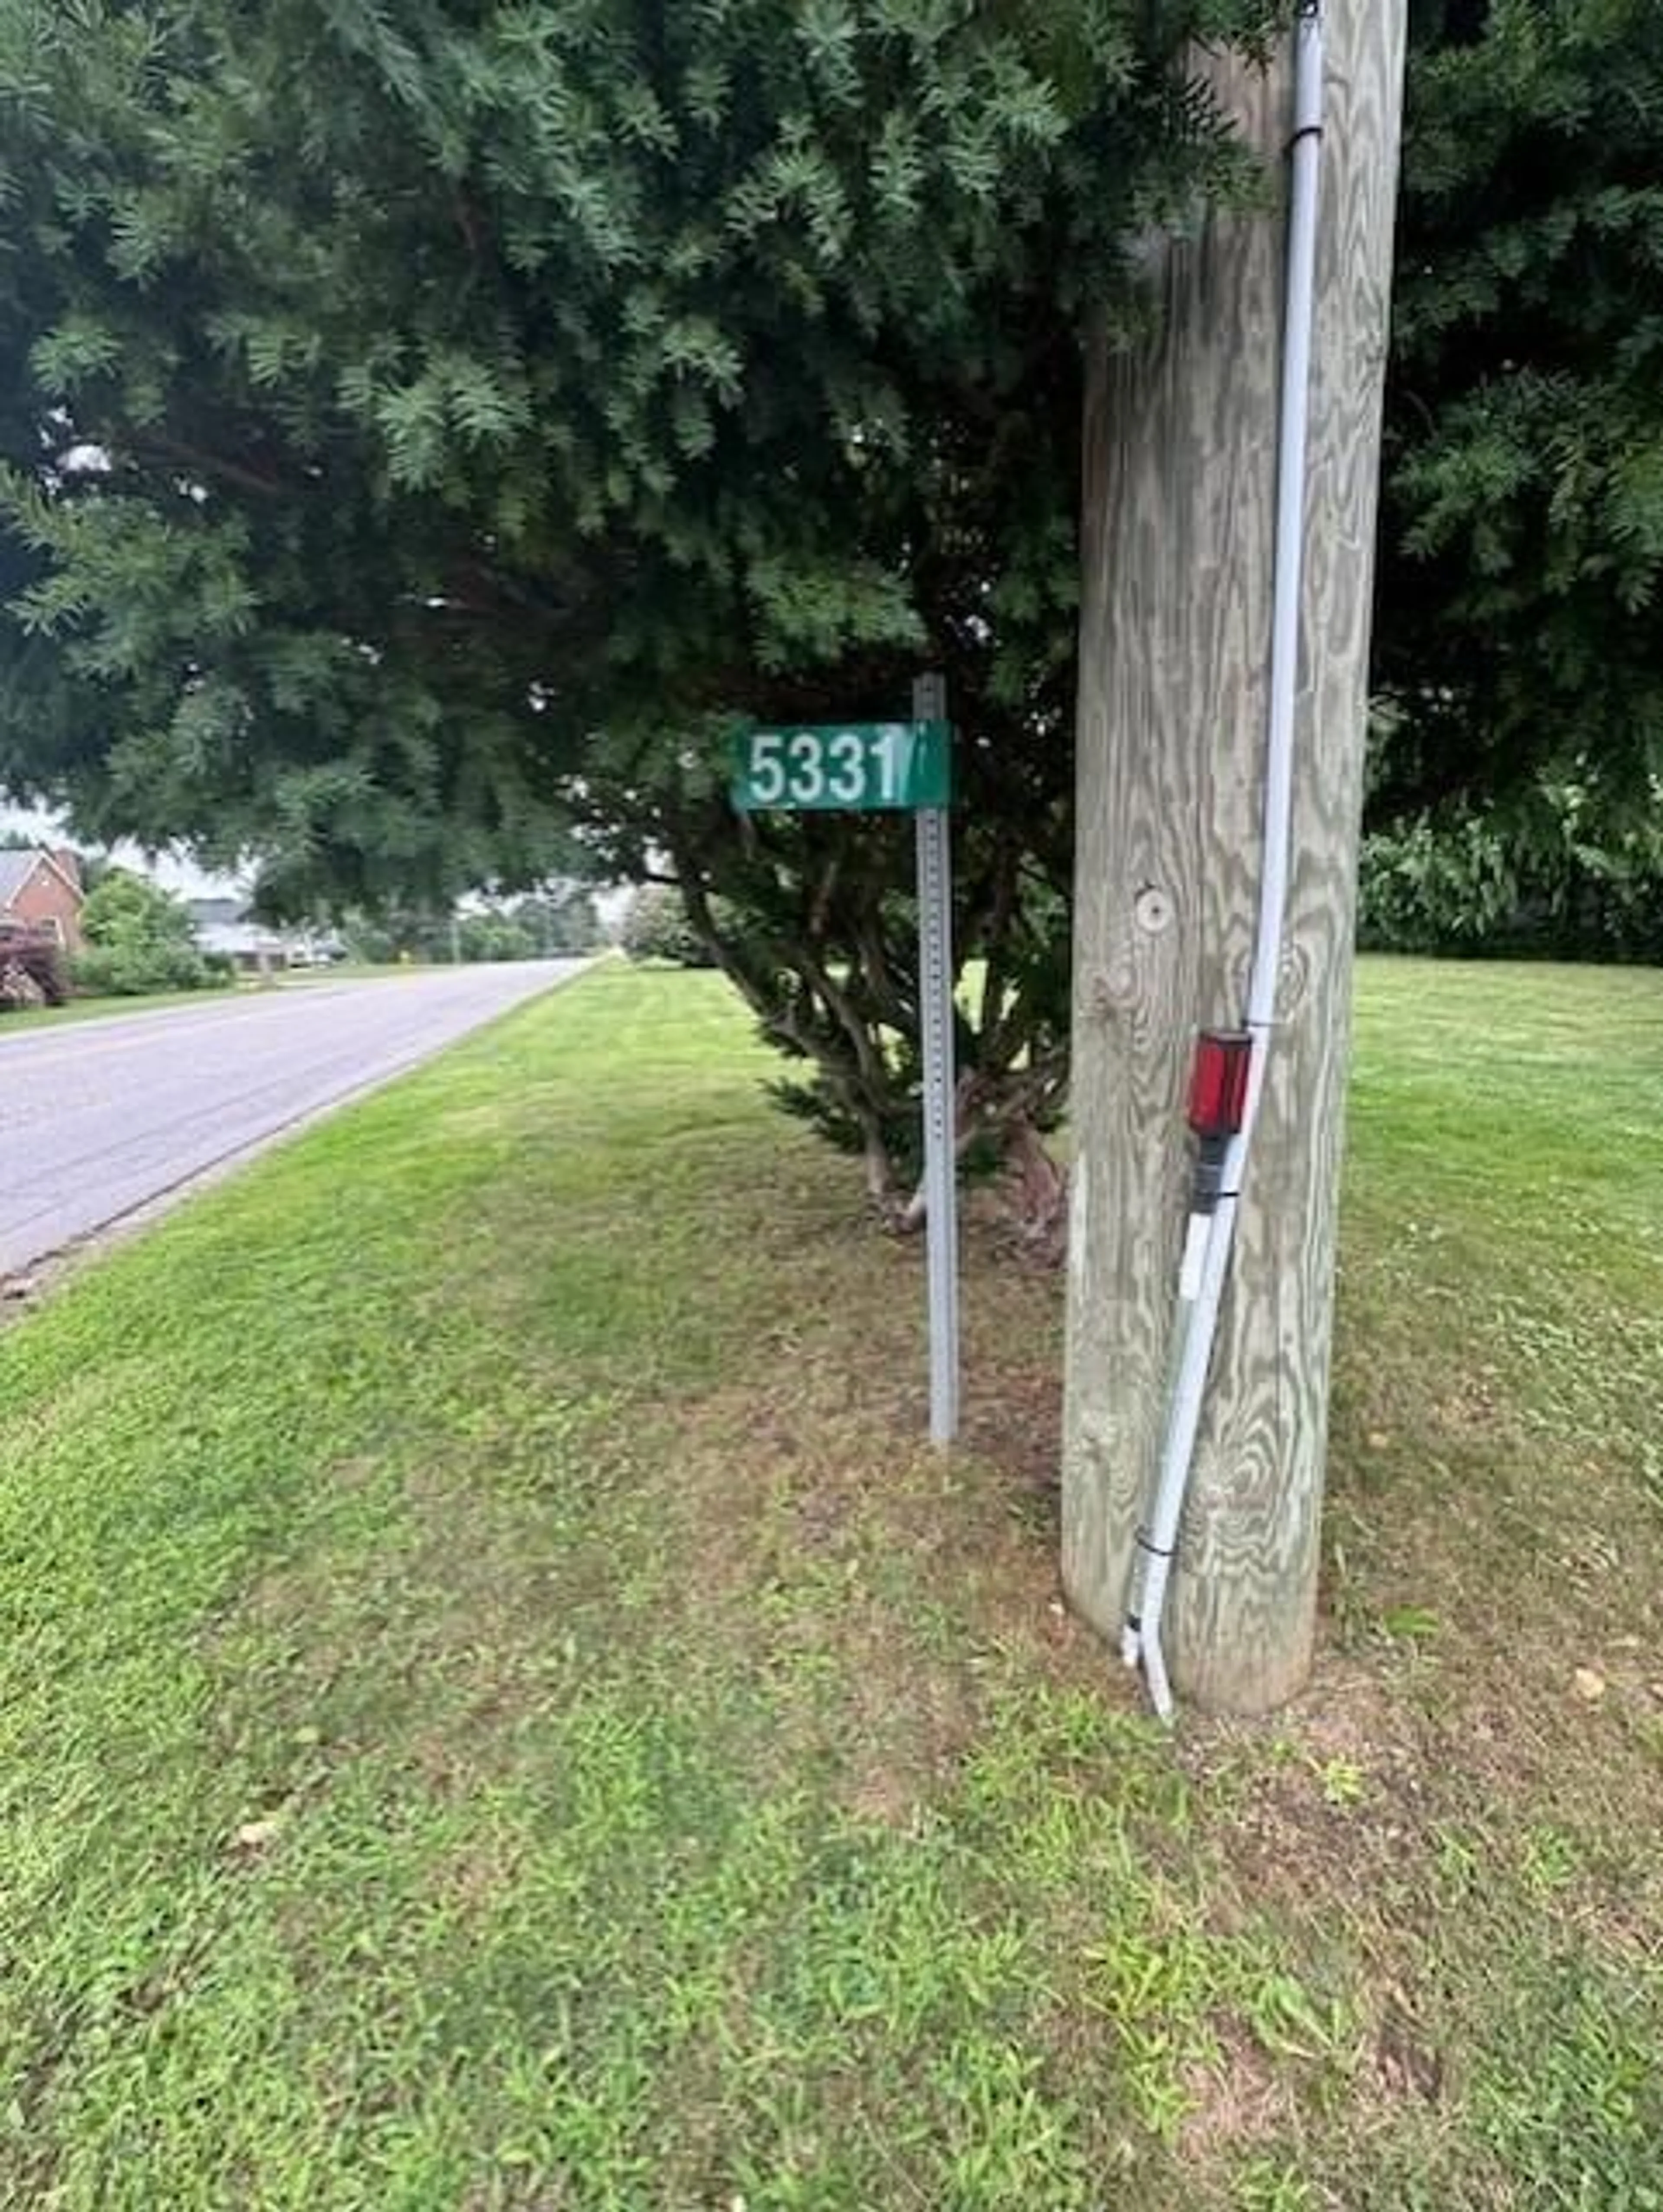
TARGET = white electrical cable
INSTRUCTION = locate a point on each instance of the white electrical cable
(1196, 1322)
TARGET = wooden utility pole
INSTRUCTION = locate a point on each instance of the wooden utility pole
(1178, 510)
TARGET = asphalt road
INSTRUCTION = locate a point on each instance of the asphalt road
(101, 1118)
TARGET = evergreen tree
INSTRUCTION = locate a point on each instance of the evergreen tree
(427, 426)
(1520, 639)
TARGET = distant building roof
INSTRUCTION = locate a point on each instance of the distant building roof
(18, 865)
(15, 869)
(217, 913)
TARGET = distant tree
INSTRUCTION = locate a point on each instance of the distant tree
(395, 930)
(561, 920)
(493, 936)
(126, 907)
(368, 938)
(656, 928)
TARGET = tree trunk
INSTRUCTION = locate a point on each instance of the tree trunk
(1036, 1196)
(1180, 491)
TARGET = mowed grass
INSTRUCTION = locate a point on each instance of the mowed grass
(501, 1711)
(14, 1021)
(17, 1020)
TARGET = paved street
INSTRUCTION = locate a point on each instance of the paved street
(101, 1117)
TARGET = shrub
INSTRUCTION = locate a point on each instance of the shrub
(1435, 887)
(1556, 879)
(138, 940)
(493, 936)
(35, 959)
(133, 970)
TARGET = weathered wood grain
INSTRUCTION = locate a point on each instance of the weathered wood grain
(1179, 486)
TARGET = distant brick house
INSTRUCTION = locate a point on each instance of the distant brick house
(42, 891)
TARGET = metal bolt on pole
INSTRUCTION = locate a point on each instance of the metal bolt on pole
(935, 1019)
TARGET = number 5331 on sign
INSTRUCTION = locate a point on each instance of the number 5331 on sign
(861, 767)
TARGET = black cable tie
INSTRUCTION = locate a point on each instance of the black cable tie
(1155, 1551)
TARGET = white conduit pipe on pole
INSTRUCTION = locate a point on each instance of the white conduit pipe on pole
(1202, 1289)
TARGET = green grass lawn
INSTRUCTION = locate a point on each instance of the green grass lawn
(96, 1009)
(17, 1019)
(500, 1711)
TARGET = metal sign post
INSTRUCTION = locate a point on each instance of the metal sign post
(867, 767)
(941, 1115)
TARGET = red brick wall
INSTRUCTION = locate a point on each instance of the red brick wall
(46, 897)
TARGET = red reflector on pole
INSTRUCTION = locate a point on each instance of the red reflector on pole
(1218, 1088)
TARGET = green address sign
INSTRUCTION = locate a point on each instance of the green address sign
(856, 767)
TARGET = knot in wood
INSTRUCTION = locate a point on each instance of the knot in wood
(1152, 911)
(1113, 990)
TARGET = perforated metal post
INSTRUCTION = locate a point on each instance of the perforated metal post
(935, 1018)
